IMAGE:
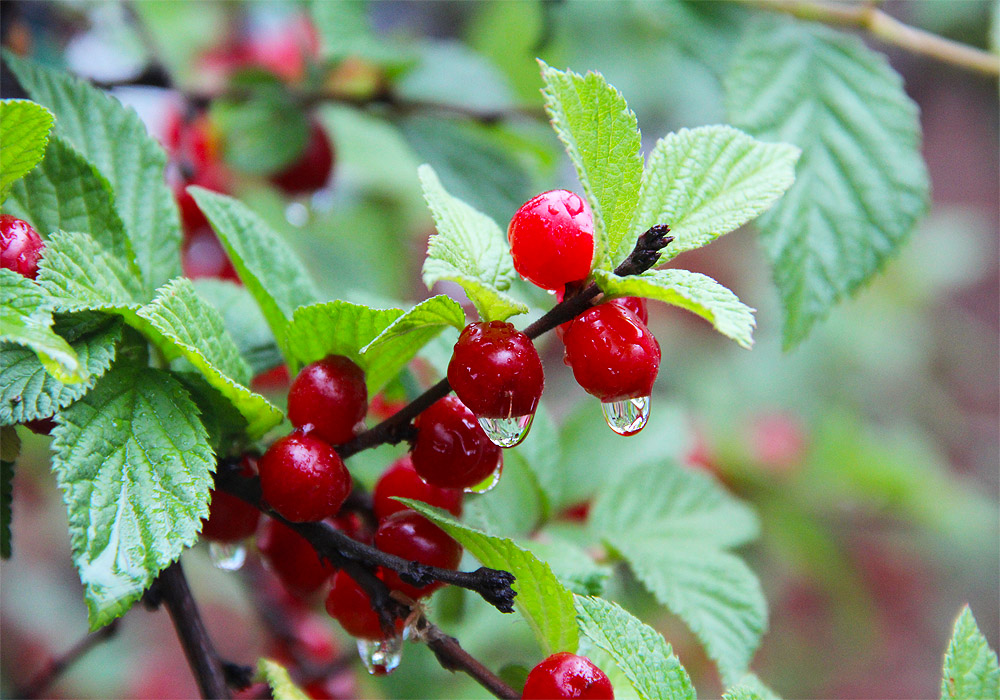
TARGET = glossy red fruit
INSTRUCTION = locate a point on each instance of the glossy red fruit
(20, 246)
(331, 395)
(552, 239)
(451, 449)
(312, 170)
(292, 558)
(495, 371)
(566, 675)
(612, 353)
(401, 480)
(204, 256)
(349, 605)
(303, 478)
(636, 305)
(230, 519)
(411, 536)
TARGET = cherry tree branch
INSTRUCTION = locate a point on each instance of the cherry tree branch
(44, 679)
(869, 18)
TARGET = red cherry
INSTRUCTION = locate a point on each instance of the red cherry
(552, 239)
(20, 246)
(274, 379)
(204, 256)
(451, 449)
(292, 558)
(312, 170)
(411, 536)
(231, 519)
(349, 604)
(566, 675)
(329, 394)
(495, 371)
(402, 480)
(303, 478)
(212, 177)
(636, 305)
(612, 353)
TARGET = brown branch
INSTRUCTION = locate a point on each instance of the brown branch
(173, 591)
(453, 657)
(871, 19)
(56, 667)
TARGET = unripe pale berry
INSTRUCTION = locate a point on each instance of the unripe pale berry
(495, 371)
(566, 675)
(402, 480)
(612, 353)
(409, 535)
(303, 478)
(552, 239)
(331, 396)
(20, 246)
(451, 449)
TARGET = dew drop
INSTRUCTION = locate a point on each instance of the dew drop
(297, 214)
(506, 432)
(227, 556)
(627, 417)
(489, 482)
(381, 656)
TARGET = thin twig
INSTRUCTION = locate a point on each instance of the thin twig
(453, 657)
(877, 23)
(208, 669)
(44, 679)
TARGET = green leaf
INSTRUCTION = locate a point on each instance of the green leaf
(264, 133)
(671, 525)
(344, 31)
(381, 341)
(601, 136)
(26, 319)
(693, 291)
(28, 392)
(264, 262)
(114, 139)
(514, 507)
(970, 666)
(79, 274)
(640, 652)
(243, 320)
(11, 445)
(709, 181)
(67, 193)
(571, 565)
(862, 184)
(24, 131)
(135, 467)
(194, 330)
(750, 687)
(545, 603)
(277, 679)
(469, 249)
(714, 592)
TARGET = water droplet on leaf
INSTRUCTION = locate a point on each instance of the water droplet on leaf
(627, 417)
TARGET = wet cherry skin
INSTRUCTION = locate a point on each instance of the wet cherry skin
(331, 396)
(20, 246)
(566, 675)
(552, 239)
(402, 480)
(303, 478)
(411, 536)
(451, 449)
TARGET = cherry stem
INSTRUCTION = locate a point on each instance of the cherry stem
(493, 585)
(42, 681)
(397, 427)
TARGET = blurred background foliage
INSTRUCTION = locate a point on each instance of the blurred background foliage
(870, 451)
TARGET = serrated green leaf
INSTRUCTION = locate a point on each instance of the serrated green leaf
(693, 291)
(244, 321)
(640, 652)
(545, 603)
(437, 312)
(264, 133)
(28, 392)
(11, 444)
(264, 262)
(135, 467)
(277, 679)
(750, 687)
(342, 328)
(671, 526)
(194, 330)
(79, 274)
(115, 141)
(970, 666)
(601, 136)
(709, 181)
(571, 565)
(24, 131)
(714, 592)
(26, 319)
(862, 184)
(469, 249)
(67, 193)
